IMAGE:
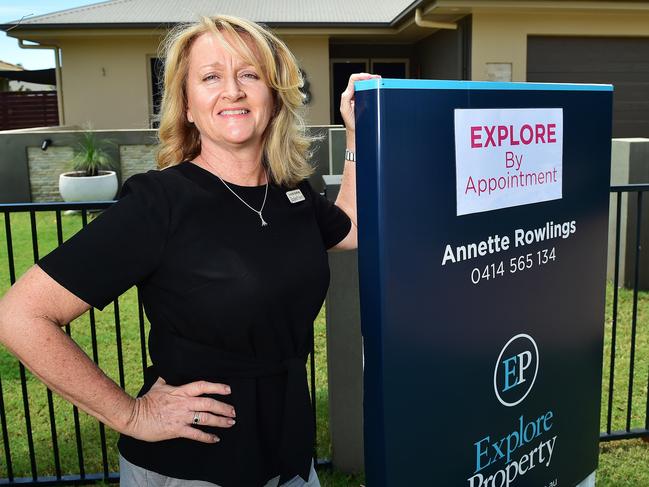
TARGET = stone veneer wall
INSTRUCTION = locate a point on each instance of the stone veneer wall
(45, 167)
(44, 170)
(28, 173)
(135, 159)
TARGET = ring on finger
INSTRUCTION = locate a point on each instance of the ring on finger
(197, 417)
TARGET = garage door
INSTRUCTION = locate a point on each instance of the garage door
(624, 62)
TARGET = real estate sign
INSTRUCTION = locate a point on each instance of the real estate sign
(482, 251)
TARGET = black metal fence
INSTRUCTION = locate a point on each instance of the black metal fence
(82, 477)
(32, 209)
(611, 408)
(631, 423)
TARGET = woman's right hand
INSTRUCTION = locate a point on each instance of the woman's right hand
(166, 412)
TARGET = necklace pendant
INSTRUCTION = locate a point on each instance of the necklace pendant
(264, 223)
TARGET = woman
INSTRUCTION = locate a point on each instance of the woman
(227, 245)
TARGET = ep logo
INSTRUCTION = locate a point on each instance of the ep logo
(516, 369)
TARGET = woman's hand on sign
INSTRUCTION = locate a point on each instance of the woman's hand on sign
(166, 412)
(347, 100)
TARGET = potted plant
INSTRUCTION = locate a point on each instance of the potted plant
(93, 178)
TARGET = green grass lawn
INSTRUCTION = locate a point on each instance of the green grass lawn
(622, 463)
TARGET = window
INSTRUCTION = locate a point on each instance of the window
(342, 69)
(156, 72)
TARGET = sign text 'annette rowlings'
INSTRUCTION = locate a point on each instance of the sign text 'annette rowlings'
(507, 157)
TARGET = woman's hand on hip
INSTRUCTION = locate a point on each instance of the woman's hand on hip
(347, 100)
(166, 412)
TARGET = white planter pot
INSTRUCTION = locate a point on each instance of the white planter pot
(102, 187)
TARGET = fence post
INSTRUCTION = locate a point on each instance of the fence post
(629, 165)
(344, 356)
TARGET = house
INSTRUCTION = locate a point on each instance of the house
(108, 66)
(14, 77)
(4, 80)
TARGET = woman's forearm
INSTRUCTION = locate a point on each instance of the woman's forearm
(347, 195)
(346, 199)
(52, 356)
(32, 314)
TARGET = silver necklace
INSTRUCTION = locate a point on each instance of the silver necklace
(263, 222)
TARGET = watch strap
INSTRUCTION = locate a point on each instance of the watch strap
(350, 155)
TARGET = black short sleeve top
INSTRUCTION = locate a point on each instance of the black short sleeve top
(229, 300)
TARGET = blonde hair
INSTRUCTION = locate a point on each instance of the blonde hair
(286, 142)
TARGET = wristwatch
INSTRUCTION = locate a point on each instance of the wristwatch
(350, 155)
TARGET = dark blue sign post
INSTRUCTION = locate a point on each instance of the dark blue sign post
(483, 227)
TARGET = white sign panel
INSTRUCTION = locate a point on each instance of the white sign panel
(507, 157)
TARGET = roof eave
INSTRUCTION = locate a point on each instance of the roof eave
(17, 26)
(157, 25)
(406, 12)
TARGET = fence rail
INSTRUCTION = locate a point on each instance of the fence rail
(609, 434)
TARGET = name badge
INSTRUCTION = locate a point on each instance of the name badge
(295, 196)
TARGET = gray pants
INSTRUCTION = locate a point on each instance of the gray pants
(133, 476)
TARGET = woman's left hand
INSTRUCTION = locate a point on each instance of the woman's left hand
(347, 100)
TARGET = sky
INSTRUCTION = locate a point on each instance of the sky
(15, 9)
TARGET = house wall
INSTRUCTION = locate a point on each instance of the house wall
(439, 55)
(502, 37)
(312, 54)
(106, 80)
